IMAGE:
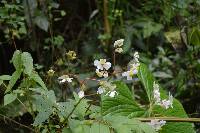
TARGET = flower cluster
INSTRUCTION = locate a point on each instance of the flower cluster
(133, 68)
(118, 44)
(51, 72)
(102, 67)
(71, 55)
(107, 87)
(164, 103)
(64, 78)
(157, 124)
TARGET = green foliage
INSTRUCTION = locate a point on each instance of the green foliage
(42, 22)
(27, 62)
(122, 104)
(147, 79)
(9, 98)
(176, 111)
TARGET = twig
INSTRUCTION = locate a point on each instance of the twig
(170, 119)
(17, 122)
(72, 110)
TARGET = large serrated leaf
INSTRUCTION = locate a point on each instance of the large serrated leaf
(122, 104)
(147, 79)
(27, 61)
(177, 111)
(34, 76)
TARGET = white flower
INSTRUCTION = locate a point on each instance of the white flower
(167, 103)
(118, 50)
(164, 103)
(101, 90)
(129, 74)
(81, 94)
(112, 93)
(64, 78)
(102, 64)
(156, 93)
(157, 124)
(136, 56)
(118, 43)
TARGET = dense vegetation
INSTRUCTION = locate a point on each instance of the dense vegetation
(100, 66)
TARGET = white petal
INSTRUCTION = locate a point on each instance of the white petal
(96, 62)
(81, 94)
(69, 79)
(107, 65)
(112, 94)
(124, 74)
(100, 90)
(118, 43)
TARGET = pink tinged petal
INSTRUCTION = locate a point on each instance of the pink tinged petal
(135, 71)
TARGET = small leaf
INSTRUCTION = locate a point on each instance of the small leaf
(42, 22)
(5, 77)
(27, 61)
(16, 60)
(9, 98)
(194, 37)
(34, 76)
(15, 76)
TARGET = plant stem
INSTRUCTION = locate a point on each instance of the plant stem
(170, 119)
(72, 110)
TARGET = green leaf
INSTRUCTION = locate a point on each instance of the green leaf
(42, 117)
(5, 77)
(27, 61)
(194, 37)
(44, 104)
(66, 130)
(122, 104)
(177, 111)
(99, 128)
(16, 60)
(42, 22)
(147, 79)
(151, 28)
(34, 76)
(9, 98)
(15, 76)
(123, 124)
